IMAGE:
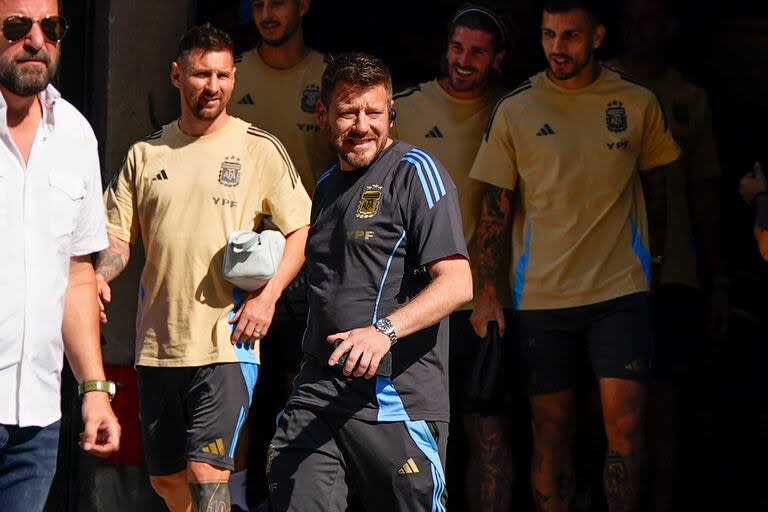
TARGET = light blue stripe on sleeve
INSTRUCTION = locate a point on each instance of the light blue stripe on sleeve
(434, 169)
(428, 171)
(427, 193)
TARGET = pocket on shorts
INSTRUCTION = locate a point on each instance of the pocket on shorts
(432, 426)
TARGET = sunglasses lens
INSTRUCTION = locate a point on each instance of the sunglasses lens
(54, 28)
(16, 27)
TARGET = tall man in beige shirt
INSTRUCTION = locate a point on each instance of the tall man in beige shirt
(575, 142)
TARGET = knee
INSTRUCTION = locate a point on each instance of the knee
(625, 432)
(168, 487)
(553, 429)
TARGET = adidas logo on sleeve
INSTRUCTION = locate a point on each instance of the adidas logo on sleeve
(246, 100)
(434, 133)
(545, 130)
(161, 176)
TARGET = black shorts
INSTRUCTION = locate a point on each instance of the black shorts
(558, 345)
(316, 461)
(679, 318)
(193, 414)
(463, 351)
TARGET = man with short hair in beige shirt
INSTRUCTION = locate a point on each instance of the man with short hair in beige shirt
(181, 191)
(575, 142)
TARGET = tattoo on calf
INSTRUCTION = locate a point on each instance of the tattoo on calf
(498, 476)
(619, 489)
(536, 462)
(565, 486)
(210, 496)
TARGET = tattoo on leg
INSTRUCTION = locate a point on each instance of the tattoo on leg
(210, 496)
(565, 485)
(619, 491)
(541, 500)
(496, 476)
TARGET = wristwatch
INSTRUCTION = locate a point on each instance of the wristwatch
(385, 326)
(105, 386)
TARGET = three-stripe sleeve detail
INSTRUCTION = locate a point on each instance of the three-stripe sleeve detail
(429, 175)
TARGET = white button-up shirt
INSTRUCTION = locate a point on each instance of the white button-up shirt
(50, 210)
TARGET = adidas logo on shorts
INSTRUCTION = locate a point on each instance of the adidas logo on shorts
(216, 447)
(408, 468)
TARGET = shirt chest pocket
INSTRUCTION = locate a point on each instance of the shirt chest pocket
(66, 194)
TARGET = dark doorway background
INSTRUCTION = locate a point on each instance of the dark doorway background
(722, 45)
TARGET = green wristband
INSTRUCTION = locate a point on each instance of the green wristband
(105, 386)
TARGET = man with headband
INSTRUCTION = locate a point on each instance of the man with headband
(448, 116)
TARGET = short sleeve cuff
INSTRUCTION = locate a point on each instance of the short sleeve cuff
(90, 245)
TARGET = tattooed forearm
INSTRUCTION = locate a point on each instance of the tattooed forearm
(495, 217)
(113, 260)
(655, 192)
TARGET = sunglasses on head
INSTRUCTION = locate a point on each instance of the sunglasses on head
(17, 27)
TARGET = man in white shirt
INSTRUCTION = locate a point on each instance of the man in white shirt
(51, 220)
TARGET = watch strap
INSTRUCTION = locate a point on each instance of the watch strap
(104, 386)
(386, 329)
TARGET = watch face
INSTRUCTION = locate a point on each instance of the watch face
(384, 324)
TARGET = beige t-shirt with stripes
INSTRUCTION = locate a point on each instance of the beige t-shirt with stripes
(282, 101)
(452, 129)
(183, 195)
(580, 229)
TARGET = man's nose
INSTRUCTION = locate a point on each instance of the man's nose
(35, 39)
(361, 122)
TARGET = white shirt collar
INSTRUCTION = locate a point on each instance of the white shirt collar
(48, 98)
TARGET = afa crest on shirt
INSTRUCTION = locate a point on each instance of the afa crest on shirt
(229, 174)
(309, 98)
(368, 206)
(616, 117)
